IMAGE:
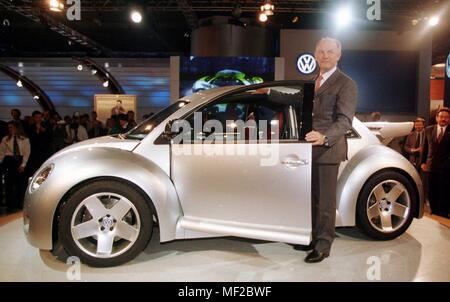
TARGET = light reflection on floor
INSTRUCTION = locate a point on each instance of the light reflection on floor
(422, 254)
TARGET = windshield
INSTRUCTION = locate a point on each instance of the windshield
(144, 128)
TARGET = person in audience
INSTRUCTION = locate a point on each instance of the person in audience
(110, 123)
(40, 141)
(131, 120)
(14, 155)
(436, 161)
(75, 132)
(3, 132)
(122, 126)
(375, 116)
(96, 126)
(16, 114)
(414, 143)
(58, 133)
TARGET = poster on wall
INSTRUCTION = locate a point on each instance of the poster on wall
(202, 73)
(107, 105)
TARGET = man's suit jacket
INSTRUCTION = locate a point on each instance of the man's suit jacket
(411, 143)
(333, 112)
(436, 154)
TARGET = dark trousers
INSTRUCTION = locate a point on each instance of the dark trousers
(15, 182)
(324, 183)
(438, 188)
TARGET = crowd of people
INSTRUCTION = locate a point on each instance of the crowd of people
(27, 143)
(428, 149)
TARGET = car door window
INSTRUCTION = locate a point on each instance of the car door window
(247, 117)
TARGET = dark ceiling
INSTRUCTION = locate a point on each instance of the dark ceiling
(28, 28)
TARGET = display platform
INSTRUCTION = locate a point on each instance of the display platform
(421, 254)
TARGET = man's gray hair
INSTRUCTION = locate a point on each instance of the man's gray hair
(338, 44)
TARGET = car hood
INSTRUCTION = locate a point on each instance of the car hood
(104, 142)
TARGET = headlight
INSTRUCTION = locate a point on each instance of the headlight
(39, 179)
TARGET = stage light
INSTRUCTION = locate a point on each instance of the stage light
(19, 83)
(105, 84)
(262, 17)
(295, 19)
(433, 21)
(136, 17)
(94, 71)
(267, 8)
(80, 67)
(344, 16)
(56, 5)
(36, 97)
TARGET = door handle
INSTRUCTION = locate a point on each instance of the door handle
(294, 162)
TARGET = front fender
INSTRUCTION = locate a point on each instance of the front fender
(360, 168)
(78, 166)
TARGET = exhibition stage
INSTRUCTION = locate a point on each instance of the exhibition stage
(421, 254)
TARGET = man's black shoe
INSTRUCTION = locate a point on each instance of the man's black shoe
(304, 248)
(315, 257)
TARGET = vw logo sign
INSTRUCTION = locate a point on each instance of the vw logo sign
(447, 67)
(306, 63)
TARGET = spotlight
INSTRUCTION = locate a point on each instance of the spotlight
(19, 83)
(262, 17)
(344, 16)
(267, 8)
(56, 5)
(105, 84)
(433, 21)
(36, 97)
(94, 71)
(80, 67)
(136, 17)
(295, 19)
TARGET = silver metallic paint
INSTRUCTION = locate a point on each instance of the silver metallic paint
(148, 166)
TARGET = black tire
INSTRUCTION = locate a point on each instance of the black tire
(362, 219)
(68, 208)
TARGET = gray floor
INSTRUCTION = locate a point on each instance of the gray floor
(422, 254)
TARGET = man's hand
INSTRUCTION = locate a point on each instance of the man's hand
(316, 138)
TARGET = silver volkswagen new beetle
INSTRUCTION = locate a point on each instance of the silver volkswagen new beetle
(222, 162)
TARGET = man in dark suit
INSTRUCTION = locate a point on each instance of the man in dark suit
(436, 161)
(333, 112)
(414, 143)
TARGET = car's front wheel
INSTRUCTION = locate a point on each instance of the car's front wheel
(386, 204)
(105, 223)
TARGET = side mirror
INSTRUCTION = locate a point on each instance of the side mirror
(168, 133)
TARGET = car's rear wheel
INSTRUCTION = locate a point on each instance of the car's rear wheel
(105, 223)
(386, 204)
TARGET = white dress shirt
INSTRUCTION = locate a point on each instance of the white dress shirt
(327, 75)
(439, 130)
(7, 148)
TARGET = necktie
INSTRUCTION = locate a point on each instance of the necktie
(318, 83)
(417, 144)
(441, 135)
(16, 150)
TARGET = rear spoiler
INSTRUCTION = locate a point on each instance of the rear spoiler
(387, 131)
